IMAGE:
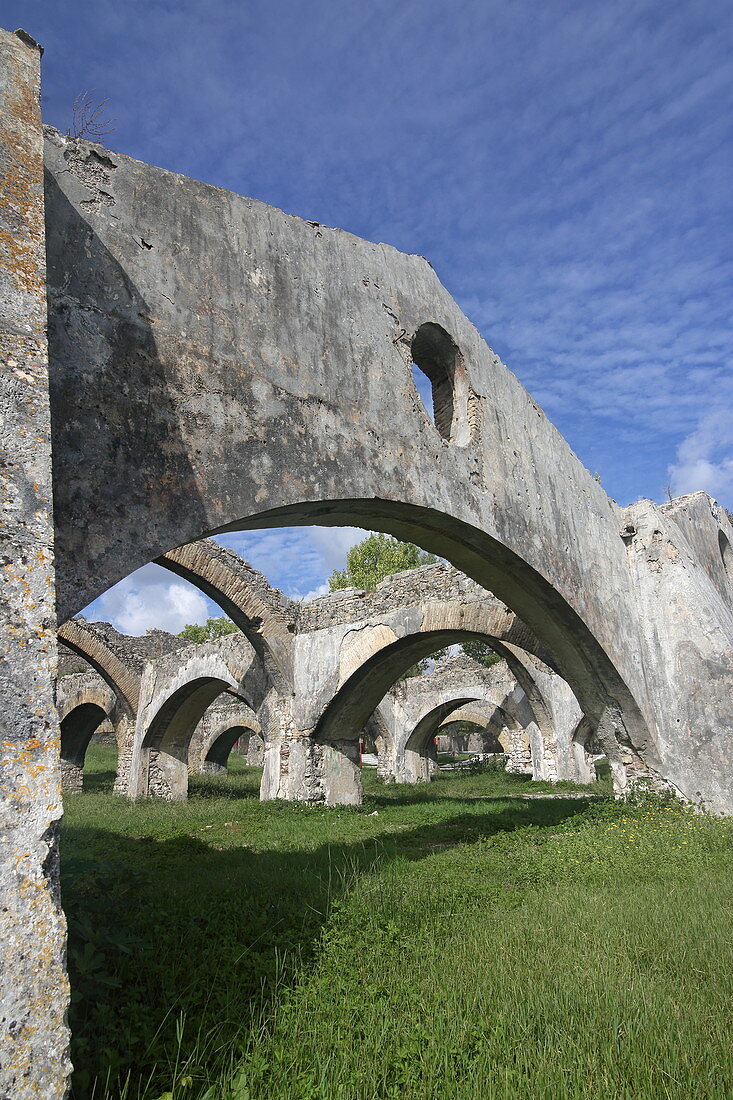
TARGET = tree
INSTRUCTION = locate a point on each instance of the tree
(376, 557)
(481, 652)
(212, 628)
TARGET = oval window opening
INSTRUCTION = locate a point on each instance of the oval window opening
(726, 553)
(434, 359)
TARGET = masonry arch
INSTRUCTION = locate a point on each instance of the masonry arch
(502, 723)
(88, 640)
(218, 731)
(481, 722)
(87, 705)
(368, 684)
(176, 692)
(286, 397)
(540, 621)
(77, 730)
(166, 742)
(419, 758)
(264, 615)
(588, 751)
(499, 700)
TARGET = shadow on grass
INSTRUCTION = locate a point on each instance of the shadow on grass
(96, 782)
(168, 930)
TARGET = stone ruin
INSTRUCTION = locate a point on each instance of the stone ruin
(176, 708)
(178, 362)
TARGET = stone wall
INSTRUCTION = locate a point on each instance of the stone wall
(32, 929)
(434, 583)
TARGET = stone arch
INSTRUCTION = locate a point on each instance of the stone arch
(167, 739)
(286, 397)
(423, 704)
(419, 760)
(481, 718)
(176, 692)
(361, 692)
(264, 615)
(219, 750)
(510, 733)
(85, 702)
(217, 732)
(90, 641)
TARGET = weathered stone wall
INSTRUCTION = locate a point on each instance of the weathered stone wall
(436, 583)
(35, 989)
(286, 397)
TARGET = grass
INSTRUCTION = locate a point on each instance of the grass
(453, 940)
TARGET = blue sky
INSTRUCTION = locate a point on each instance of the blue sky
(565, 166)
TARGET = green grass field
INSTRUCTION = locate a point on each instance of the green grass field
(454, 940)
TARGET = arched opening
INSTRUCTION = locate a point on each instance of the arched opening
(460, 737)
(570, 646)
(592, 760)
(421, 757)
(726, 554)
(576, 652)
(436, 361)
(165, 747)
(360, 694)
(217, 757)
(77, 729)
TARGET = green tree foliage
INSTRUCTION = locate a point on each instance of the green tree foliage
(376, 557)
(212, 628)
(481, 652)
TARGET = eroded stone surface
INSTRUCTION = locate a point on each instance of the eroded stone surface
(34, 1060)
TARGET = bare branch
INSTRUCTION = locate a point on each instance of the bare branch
(89, 119)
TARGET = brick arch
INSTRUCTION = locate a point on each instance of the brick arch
(89, 641)
(264, 615)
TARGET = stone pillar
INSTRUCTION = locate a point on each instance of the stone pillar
(72, 776)
(125, 737)
(413, 767)
(35, 989)
(298, 768)
(341, 774)
(386, 766)
(519, 754)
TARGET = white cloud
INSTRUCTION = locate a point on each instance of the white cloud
(295, 559)
(322, 590)
(150, 598)
(333, 543)
(705, 458)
